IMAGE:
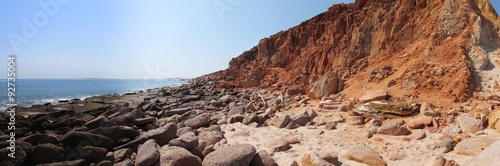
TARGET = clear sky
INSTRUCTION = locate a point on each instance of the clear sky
(140, 39)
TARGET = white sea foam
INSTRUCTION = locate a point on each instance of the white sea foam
(3, 108)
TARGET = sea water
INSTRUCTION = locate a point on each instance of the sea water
(40, 91)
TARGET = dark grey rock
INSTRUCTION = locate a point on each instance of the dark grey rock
(74, 138)
(116, 132)
(48, 153)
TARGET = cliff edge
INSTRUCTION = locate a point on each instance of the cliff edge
(442, 51)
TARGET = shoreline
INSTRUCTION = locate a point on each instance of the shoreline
(201, 122)
(59, 101)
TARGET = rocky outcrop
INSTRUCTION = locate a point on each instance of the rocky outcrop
(402, 46)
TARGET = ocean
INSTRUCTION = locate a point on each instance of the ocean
(39, 91)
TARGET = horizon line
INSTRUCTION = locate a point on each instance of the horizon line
(110, 78)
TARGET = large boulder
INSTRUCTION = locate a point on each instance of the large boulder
(116, 132)
(48, 153)
(32, 139)
(325, 86)
(202, 120)
(365, 155)
(239, 110)
(488, 157)
(235, 155)
(419, 122)
(301, 119)
(121, 154)
(50, 137)
(281, 121)
(177, 156)
(436, 161)
(493, 119)
(20, 156)
(187, 140)
(209, 137)
(99, 121)
(250, 118)
(148, 153)
(473, 146)
(469, 124)
(355, 120)
(313, 159)
(394, 128)
(161, 135)
(262, 158)
(74, 138)
(279, 145)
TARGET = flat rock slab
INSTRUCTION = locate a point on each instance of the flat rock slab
(88, 107)
(373, 95)
(116, 132)
(177, 111)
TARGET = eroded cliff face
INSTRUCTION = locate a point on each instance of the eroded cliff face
(438, 50)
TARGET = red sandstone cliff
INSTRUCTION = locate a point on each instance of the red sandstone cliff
(437, 50)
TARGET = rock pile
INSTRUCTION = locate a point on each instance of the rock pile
(182, 126)
(168, 126)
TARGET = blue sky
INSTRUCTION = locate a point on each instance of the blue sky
(140, 39)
